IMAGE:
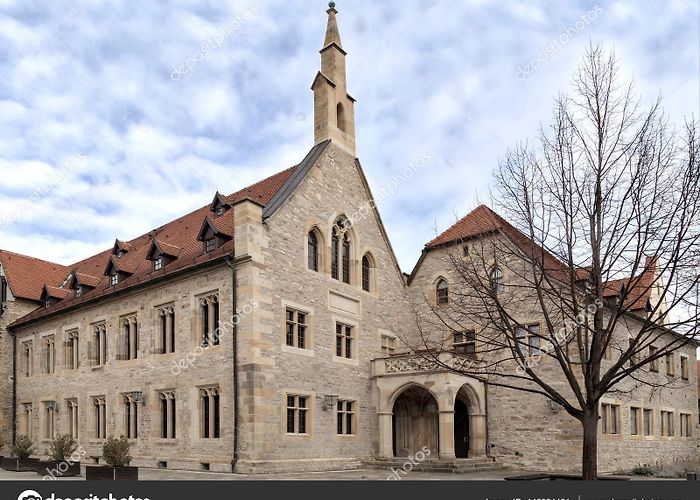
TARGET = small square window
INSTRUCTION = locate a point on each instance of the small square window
(210, 245)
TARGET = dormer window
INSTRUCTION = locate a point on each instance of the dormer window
(158, 263)
(47, 303)
(79, 292)
(220, 211)
(219, 206)
(113, 279)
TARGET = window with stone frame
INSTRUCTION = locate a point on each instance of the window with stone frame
(296, 328)
(28, 358)
(131, 416)
(670, 365)
(26, 424)
(128, 339)
(388, 345)
(635, 421)
(209, 413)
(168, 414)
(344, 340)
(297, 414)
(668, 424)
(49, 420)
(165, 329)
(496, 281)
(653, 365)
(442, 292)
(71, 350)
(99, 417)
(610, 418)
(528, 339)
(313, 250)
(341, 249)
(48, 354)
(686, 425)
(685, 372)
(464, 343)
(648, 422)
(209, 320)
(98, 344)
(72, 419)
(368, 270)
(345, 417)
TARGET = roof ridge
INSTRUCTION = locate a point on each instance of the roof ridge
(25, 256)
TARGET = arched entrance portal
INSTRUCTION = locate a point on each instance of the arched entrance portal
(461, 429)
(415, 422)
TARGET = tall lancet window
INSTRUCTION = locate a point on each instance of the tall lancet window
(340, 111)
(313, 250)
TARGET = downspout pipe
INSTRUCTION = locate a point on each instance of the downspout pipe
(234, 305)
(14, 386)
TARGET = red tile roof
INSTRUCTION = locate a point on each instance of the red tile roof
(483, 220)
(26, 276)
(178, 236)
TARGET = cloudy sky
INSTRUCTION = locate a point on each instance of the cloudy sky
(104, 133)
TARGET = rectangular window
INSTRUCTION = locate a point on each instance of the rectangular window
(610, 415)
(128, 339)
(48, 355)
(158, 264)
(27, 421)
(168, 414)
(72, 421)
(296, 329)
(113, 279)
(71, 353)
(529, 339)
(465, 343)
(667, 424)
(635, 420)
(344, 341)
(648, 422)
(210, 245)
(28, 359)
(670, 365)
(297, 414)
(685, 374)
(654, 365)
(49, 419)
(686, 425)
(131, 417)
(209, 320)
(346, 417)
(165, 328)
(209, 413)
(388, 345)
(98, 345)
(100, 417)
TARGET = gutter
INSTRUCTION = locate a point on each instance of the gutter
(234, 306)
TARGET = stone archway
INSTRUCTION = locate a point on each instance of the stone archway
(415, 422)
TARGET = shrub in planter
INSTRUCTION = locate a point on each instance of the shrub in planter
(115, 453)
(62, 459)
(21, 451)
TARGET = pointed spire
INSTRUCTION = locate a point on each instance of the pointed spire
(332, 32)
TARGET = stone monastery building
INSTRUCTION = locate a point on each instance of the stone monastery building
(311, 373)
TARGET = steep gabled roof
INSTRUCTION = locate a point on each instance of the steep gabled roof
(26, 276)
(483, 221)
(177, 239)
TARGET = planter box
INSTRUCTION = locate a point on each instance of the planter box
(20, 465)
(58, 469)
(106, 473)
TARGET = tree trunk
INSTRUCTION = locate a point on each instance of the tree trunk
(590, 444)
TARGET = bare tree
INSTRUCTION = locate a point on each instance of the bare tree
(602, 245)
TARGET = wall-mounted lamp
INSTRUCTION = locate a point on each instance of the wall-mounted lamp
(329, 401)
